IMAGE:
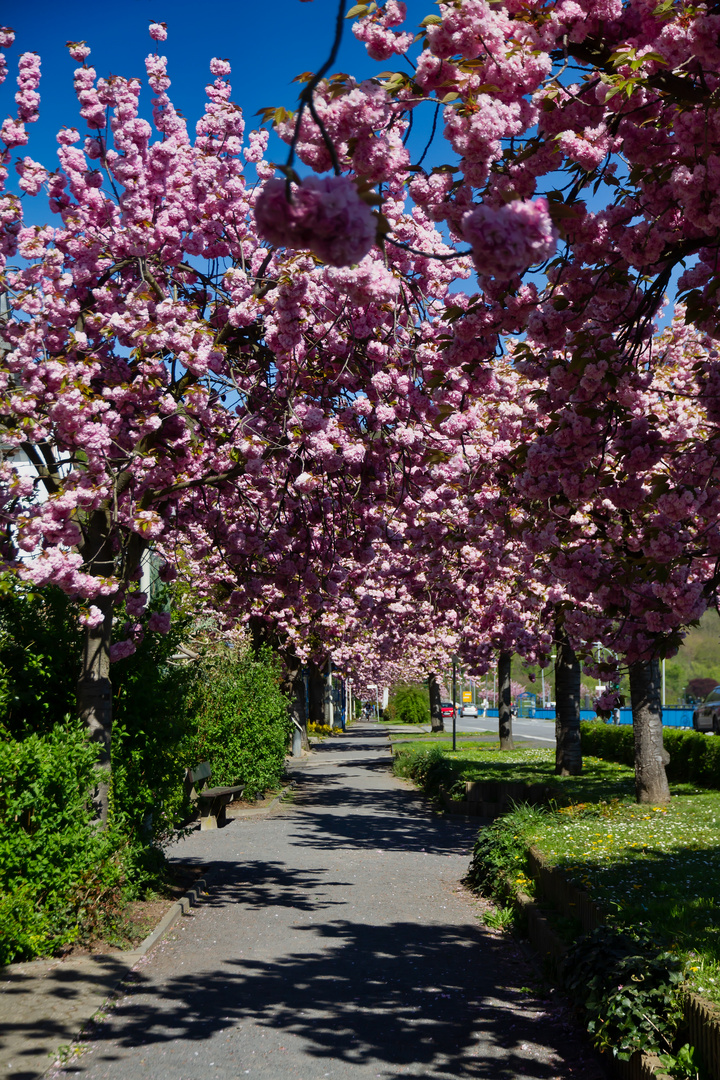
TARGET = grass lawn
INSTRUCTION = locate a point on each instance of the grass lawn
(421, 728)
(655, 866)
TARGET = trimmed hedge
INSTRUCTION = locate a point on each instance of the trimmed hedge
(243, 720)
(694, 757)
(54, 866)
(409, 705)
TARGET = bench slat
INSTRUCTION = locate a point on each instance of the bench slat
(216, 792)
(202, 772)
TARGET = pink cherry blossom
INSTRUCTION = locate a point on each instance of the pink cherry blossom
(159, 622)
(325, 216)
(510, 239)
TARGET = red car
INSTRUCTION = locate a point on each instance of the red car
(447, 709)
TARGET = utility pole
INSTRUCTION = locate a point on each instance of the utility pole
(329, 704)
(454, 697)
(663, 683)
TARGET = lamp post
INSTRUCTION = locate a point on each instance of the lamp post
(663, 683)
(454, 700)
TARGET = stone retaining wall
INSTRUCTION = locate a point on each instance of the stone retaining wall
(490, 800)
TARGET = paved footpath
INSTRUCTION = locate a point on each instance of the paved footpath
(335, 942)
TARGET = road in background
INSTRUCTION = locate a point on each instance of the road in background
(542, 730)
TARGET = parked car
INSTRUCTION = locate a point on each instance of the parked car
(707, 716)
(469, 710)
(447, 710)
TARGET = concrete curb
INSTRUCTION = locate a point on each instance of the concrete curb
(282, 794)
(258, 811)
(180, 907)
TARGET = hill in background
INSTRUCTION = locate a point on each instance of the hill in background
(699, 656)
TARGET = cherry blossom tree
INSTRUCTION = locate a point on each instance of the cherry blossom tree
(272, 382)
(174, 381)
(630, 125)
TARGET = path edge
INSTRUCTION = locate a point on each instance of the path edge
(180, 907)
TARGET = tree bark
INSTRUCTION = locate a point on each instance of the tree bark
(296, 693)
(568, 751)
(94, 688)
(505, 702)
(329, 704)
(94, 697)
(436, 720)
(651, 757)
(316, 693)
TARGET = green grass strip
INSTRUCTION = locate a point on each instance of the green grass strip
(657, 868)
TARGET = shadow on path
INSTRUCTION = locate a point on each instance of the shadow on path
(398, 828)
(255, 883)
(395, 995)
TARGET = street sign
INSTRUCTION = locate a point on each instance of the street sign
(467, 697)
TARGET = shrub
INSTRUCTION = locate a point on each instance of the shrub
(427, 766)
(154, 742)
(243, 720)
(628, 986)
(608, 741)
(39, 657)
(55, 867)
(61, 877)
(694, 758)
(409, 705)
(499, 859)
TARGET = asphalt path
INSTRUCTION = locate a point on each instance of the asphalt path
(336, 941)
(542, 730)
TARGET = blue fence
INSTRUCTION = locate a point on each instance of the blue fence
(671, 717)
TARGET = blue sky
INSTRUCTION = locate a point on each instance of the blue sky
(267, 44)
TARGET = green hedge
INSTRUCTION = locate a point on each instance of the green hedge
(40, 644)
(427, 766)
(694, 757)
(153, 743)
(60, 877)
(54, 866)
(409, 705)
(243, 720)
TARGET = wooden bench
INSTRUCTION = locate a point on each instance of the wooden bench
(211, 801)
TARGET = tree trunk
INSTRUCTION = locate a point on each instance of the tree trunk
(329, 704)
(505, 702)
(316, 694)
(568, 751)
(94, 697)
(94, 688)
(651, 784)
(295, 687)
(436, 720)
